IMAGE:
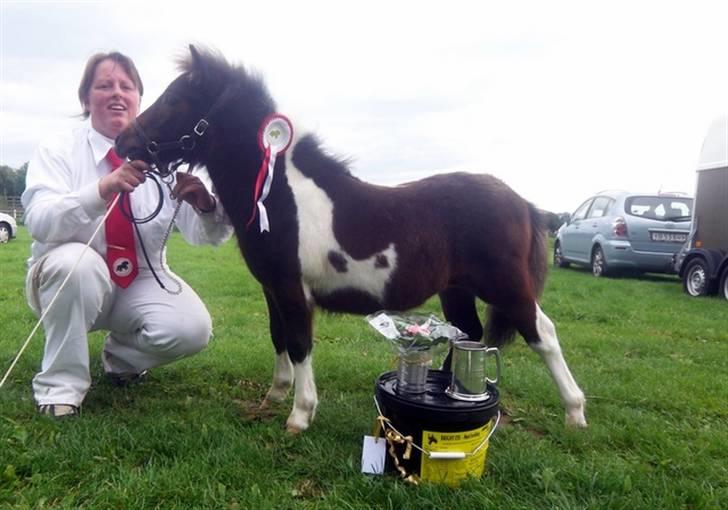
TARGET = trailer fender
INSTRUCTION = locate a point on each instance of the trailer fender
(713, 258)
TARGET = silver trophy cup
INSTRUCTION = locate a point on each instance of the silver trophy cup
(470, 370)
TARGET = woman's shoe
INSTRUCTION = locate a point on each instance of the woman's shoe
(59, 410)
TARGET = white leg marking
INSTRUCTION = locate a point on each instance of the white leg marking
(571, 395)
(305, 400)
(282, 378)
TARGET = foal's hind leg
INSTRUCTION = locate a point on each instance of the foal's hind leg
(458, 306)
(283, 368)
(540, 334)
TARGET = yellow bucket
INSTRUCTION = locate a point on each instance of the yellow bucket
(433, 437)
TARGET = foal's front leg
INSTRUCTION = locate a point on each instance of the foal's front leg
(282, 368)
(296, 319)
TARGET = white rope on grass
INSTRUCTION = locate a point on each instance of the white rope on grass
(58, 292)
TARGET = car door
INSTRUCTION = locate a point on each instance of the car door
(571, 235)
(592, 224)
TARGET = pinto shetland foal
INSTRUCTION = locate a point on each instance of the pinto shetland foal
(345, 245)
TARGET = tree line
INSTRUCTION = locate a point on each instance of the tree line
(12, 180)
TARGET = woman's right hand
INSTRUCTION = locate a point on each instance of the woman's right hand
(125, 178)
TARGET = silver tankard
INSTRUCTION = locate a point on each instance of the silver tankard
(469, 371)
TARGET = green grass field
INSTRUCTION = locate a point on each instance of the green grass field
(652, 362)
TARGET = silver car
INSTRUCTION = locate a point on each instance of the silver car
(617, 230)
(8, 227)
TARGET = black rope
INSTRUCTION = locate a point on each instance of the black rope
(124, 202)
(125, 208)
(146, 256)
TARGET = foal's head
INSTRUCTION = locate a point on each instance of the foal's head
(210, 99)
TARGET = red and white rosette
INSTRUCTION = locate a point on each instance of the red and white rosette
(274, 137)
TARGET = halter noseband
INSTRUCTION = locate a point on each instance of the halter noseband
(186, 142)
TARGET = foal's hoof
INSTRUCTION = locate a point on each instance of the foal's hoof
(576, 420)
(297, 422)
(294, 431)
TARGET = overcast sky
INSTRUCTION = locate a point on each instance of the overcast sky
(558, 99)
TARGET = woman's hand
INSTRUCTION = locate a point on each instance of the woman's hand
(125, 178)
(190, 189)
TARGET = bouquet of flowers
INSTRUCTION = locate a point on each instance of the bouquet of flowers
(414, 333)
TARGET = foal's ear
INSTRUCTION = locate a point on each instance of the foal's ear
(195, 55)
(197, 65)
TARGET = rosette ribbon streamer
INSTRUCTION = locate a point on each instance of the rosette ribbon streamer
(274, 137)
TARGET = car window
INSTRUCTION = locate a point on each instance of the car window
(600, 207)
(659, 208)
(580, 213)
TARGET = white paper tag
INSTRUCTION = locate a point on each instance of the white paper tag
(385, 325)
(373, 454)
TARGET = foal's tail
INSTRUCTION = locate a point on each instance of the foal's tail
(537, 264)
(499, 327)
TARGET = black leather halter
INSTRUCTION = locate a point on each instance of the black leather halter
(186, 142)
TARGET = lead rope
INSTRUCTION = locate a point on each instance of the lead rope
(58, 292)
(167, 180)
(165, 238)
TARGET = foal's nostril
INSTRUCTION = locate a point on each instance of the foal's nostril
(119, 145)
(125, 146)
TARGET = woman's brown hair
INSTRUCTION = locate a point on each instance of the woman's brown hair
(88, 75)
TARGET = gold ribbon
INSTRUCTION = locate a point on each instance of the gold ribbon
(393, 438)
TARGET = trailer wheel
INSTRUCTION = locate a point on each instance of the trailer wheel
(696, 280)
(724, 283)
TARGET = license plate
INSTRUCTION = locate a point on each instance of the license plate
(668, 237)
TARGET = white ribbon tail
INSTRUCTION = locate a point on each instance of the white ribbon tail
(262, 212)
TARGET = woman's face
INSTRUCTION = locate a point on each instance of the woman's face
(113, 99)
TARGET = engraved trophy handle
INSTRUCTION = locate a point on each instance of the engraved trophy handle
(494, 351)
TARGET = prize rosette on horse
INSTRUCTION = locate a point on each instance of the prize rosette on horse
(274, 137)
(416, 338)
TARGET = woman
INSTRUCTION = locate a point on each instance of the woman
(71, 181)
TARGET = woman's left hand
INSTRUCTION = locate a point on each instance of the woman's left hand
(190, 189)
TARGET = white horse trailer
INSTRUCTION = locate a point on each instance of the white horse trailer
(704, 269)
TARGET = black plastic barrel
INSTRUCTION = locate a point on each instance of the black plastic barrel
(434, 413)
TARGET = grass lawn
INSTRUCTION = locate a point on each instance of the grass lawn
(652, 362)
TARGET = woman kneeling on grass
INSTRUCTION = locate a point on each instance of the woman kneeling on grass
(71, 181)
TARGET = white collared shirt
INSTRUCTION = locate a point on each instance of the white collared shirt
(62, 201)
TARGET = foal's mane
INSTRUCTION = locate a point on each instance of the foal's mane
(212, 74)
(249, 102)
(214, 62)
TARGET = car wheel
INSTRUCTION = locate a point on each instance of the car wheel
(4, 232)
(559, 257)
(599, 263)
(724, 283)
(695, 281)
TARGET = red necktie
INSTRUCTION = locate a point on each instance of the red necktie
(120, 250)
